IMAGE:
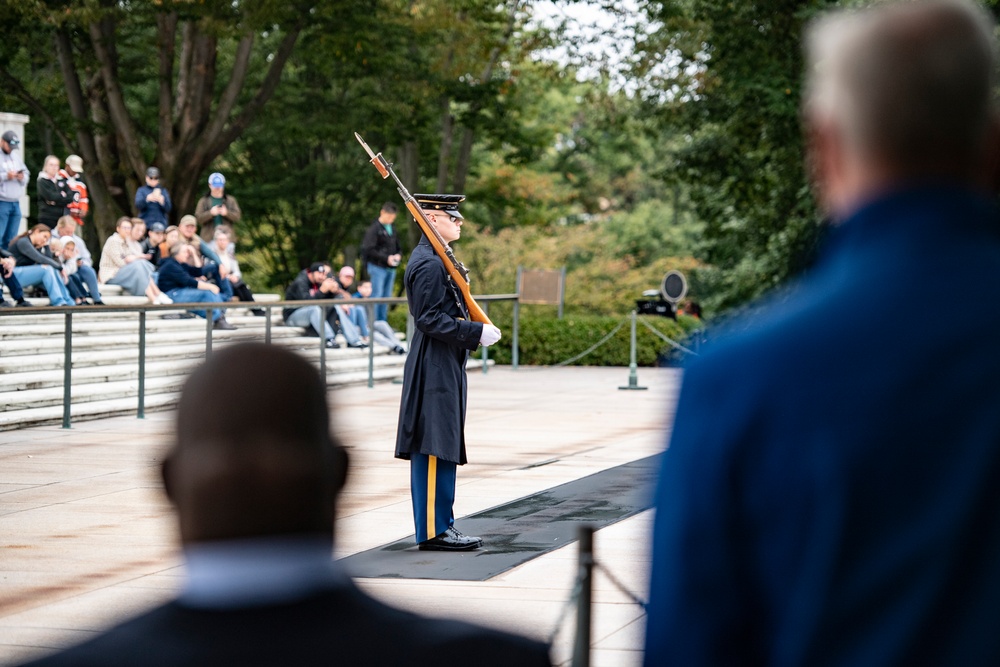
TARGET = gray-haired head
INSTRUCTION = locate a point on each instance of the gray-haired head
(908, 85)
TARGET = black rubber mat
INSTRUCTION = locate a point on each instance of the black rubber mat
(520, 530)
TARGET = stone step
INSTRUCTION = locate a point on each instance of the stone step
(24, 381)
(25, 321)
(87, 393)
(165, 333)
(105, 360)
(99, 409)
(14, 419)
(353, 369)
(195, 348)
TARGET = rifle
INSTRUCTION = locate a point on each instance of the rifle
(455, 268)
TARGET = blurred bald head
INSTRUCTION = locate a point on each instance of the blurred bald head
(903, 91)
(254, 455)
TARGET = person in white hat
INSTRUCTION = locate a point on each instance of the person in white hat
(80, 206)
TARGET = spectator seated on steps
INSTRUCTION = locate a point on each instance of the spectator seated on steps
(383, 334)
(205, 257)
(64, 251)
(124, 264)
(314, 283)
(223, 245)
(170, 236)
(66, 227)
(35, 265)
(183, 283)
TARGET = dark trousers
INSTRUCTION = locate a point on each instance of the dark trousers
(432, 488)
(10, 281)
(76, 288)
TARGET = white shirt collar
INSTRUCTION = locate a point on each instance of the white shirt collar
(245, 573)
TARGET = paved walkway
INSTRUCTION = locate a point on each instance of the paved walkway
(87, 538)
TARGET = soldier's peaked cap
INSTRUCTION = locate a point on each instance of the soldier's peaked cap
(447, 203)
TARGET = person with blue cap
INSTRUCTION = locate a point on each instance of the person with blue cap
(216, 208)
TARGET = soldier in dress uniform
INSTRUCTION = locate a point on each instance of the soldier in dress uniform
(431, 433)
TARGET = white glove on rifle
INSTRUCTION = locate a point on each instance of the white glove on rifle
(489, 336)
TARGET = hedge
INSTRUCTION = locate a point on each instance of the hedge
(547, 340)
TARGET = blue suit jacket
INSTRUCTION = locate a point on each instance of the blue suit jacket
(831, 493)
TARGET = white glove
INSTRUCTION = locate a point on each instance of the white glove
(489, 336)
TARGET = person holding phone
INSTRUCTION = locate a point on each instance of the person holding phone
(152, 201)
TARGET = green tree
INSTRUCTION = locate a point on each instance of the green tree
(724, 79)
(171, 83)
(426, 83)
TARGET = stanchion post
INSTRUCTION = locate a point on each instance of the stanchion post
(486, 350)
(581, 645)
(67, 368)
(514, 352)
(208, 332)
(370, 316)
(140, 412)
(633, 375)
(322, 345)
(267, 325)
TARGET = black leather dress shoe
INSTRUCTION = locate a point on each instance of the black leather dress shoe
(451, 540)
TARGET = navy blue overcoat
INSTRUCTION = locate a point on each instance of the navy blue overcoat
(432, 407)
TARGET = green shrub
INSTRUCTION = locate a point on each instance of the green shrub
(546, 341)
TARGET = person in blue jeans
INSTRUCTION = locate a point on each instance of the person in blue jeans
(36, 266)
(13, 181)
(183, 283)
(381, 253)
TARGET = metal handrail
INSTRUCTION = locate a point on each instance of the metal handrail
(267, 306)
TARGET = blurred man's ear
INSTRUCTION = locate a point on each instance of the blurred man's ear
(820, 160)
(166, 474)
(340, 462)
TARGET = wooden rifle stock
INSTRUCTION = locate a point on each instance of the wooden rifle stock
(459, 274)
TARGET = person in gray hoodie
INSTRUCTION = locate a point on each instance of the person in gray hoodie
(13, 181)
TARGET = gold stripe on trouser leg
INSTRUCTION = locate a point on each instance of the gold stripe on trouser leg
(431, 495)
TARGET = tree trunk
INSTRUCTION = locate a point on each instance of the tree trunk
(468, 135)
(409, 173)
(444, 156)
(193, 126)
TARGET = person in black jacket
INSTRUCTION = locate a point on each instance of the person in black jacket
(54, 193)
(183, 283)
(255, 490)
(316, 282)
(431, 433)
(380, 250)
